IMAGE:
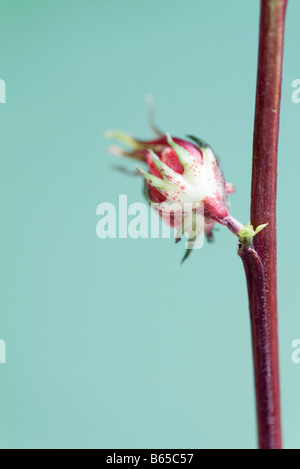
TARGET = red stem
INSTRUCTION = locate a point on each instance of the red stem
(260, 258)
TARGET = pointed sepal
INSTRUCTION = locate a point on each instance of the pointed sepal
(186, 159)
(167, 173)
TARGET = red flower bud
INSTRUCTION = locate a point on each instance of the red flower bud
(184, 172)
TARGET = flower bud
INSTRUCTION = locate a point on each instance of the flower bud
(185, 174)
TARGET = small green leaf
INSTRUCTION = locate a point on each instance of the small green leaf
(247, 233)
(259, 228)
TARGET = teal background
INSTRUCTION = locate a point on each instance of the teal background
(111, 343)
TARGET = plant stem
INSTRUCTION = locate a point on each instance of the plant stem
(259, 259)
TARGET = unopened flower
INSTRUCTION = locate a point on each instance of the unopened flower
(185, 183)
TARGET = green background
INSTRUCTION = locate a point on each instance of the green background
(111, 343)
